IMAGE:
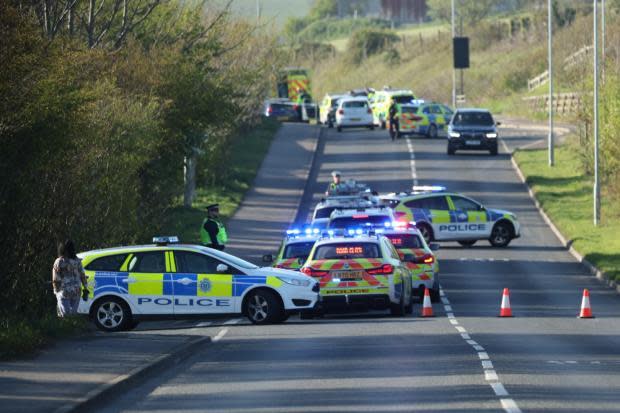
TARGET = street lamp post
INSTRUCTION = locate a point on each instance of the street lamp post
(550, 72)
(453, 68)
(597, 190)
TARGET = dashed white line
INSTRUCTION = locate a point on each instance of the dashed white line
(220, 335)
(445, 301)
(454, 322)
(465, 336)
(499, 389)
(472, 343)
(414, 174)
(487, 364)
(478, 348)
(483, 355)
(450, 315)
(490, 375)
(510, 406)
(460, 329)
(448, 308)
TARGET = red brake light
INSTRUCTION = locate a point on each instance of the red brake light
(295, 107)
(384, 269)
(312, 272)
(341, 111)
(269, 110)
(360, 216)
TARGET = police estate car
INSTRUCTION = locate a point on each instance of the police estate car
(360, 272)
(447, 216)
(167, 279)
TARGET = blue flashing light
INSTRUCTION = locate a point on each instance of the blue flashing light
(315, 231)
(308, 231)
(387, 224)
(359, 231)
(351, 232)
(330, 232)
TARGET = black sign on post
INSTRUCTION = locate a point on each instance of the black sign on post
(460, 47)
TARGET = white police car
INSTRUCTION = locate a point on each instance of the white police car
(167, 279)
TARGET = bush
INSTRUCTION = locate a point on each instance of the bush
(326, 29)
(368, 42)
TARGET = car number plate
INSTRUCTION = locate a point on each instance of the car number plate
(349, 275)
(355, 119)
(282, 118)
(474, 143)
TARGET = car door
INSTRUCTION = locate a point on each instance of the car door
(471, 217)
(199, 288)
(433, 210)
(438, 118)
(447, 113)
(148, 282)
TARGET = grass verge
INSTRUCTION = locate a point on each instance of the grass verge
(247, 154)
(19, 337)
(566, 195)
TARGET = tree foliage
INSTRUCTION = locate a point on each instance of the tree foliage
(94, 138)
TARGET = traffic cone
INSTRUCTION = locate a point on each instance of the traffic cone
(586, 310)
(505, 310)
(427, 307)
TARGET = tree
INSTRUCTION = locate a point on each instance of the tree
(323, 9)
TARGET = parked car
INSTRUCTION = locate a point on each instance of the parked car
(354, 112)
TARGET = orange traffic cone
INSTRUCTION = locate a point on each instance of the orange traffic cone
(505, 310)
(586, 310)
(427, 307)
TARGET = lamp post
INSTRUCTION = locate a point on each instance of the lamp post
(550, 72)
(453, 69)
(597, 190)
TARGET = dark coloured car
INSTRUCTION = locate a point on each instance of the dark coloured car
(282, 110)
(472, 129)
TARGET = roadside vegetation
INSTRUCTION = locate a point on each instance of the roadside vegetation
(109, 122)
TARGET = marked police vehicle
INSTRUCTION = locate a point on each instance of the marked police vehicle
(359, 272)
(295, 248)
(324, 209)
(376, 216)
(167, 279)
(447, 216)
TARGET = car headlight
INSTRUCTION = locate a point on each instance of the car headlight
(492, 135)
(455, 135)
(295, 281)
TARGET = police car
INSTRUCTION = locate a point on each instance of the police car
(360, 272)
(167, 279)
(381, 103)
(295, 248)
(376, 216)
(417, 255)
(428, 119)
(447, 216)
(324, 209)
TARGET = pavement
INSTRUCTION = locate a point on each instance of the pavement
(72, 374)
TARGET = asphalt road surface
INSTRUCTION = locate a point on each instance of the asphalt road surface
(465, 359)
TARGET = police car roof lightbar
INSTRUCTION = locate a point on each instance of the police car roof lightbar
(428, 188)
(165, 240)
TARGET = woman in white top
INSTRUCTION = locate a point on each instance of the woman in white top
(68, 278)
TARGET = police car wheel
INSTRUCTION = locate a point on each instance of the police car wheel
(467, 243)
(339, 129)
(426, 231)
(399, 309)
(432, 131)
(112, 314)
(501, 235)
(263, 307)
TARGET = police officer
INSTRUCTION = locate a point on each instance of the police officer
(393, 116)
(332, 188)
(212, 233)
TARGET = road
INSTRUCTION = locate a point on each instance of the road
(465, 359)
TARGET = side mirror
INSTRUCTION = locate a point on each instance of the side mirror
(221, 268)
(301, 261)
(268, 258)
(409, 258)
(434, 246)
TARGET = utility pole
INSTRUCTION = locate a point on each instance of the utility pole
(603, 41)
(453, 69)
(597, 190)
(257, 12)
(550, 72)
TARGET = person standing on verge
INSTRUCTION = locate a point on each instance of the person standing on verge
(212, 233)
(67, 278)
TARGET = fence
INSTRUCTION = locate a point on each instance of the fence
(569, 62)
(563, 103)
(541, 79)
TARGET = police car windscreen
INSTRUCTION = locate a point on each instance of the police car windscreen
(298, 250)
(347, 250)
(403, 98)
(409, 109)
(359, 221)
(354, 104)
(324, 212)
(473, 119)
(405, 240)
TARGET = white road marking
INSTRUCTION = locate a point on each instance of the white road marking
(450, 315)
(478, 348)
(510, 406)
(220, 335)
(448, 308)
(483, 355)
(487, 364)
(445, 301)
(460, 329)
(490, 375)
(499, 389)
(454, 322)
(472, 343)
(231, 322)
(414, 174)
(204, 324)
(465, 336)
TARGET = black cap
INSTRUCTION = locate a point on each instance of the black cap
(213, 206)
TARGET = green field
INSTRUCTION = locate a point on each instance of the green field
(276, 10)
(565, 194)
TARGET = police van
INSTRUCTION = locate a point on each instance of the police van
(441, 215)
(168, 279)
